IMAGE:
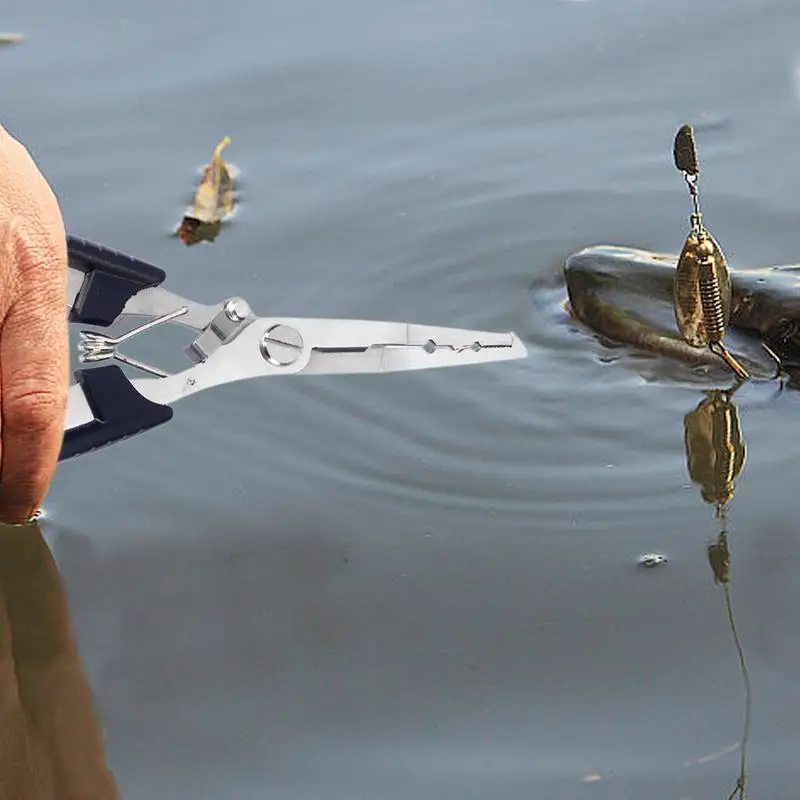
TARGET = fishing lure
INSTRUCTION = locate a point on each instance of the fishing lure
(702, 287)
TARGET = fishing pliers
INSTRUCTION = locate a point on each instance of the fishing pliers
(231, 344)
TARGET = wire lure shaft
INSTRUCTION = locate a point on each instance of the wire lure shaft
(702, 288)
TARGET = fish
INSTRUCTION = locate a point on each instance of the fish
(625, 294)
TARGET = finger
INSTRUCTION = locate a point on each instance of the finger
(34, 372)
(26, 195)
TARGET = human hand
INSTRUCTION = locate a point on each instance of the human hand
(34, 343)
(51, 743)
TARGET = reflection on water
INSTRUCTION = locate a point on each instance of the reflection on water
(715, 447)
(715, 456)
(51, 745)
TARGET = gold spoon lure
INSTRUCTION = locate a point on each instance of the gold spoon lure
(702, 288)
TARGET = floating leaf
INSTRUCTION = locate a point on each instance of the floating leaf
(213, 201)
(11, 38)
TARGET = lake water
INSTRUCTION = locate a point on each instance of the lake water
(425, 585)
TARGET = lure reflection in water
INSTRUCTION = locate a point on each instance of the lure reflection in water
(715, 456)
(715, 448)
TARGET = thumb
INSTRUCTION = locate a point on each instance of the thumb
(34, 377)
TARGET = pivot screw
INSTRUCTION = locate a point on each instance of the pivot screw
(281, 345)
(234, 311)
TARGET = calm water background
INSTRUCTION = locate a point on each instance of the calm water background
(425, 585)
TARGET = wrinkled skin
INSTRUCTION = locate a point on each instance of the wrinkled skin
(625, 295)
(34, 355)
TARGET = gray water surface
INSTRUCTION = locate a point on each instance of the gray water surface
(425, 585)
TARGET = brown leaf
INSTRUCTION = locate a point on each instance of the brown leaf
(213, 201)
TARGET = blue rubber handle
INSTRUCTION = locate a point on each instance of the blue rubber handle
(111, 280)
(119, 412)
